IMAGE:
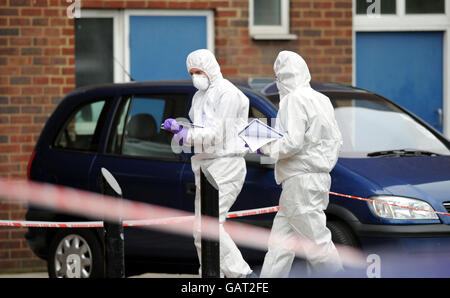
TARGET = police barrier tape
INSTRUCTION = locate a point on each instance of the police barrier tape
(127, 223)
(88, 204)
(176, 220)
(389, 204)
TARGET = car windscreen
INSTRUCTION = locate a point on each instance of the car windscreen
(372, 124)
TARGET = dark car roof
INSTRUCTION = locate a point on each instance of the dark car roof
(264, 86)
(268, 86)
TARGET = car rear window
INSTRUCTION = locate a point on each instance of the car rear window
(81, 132)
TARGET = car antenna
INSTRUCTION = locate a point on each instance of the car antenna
(124, 70)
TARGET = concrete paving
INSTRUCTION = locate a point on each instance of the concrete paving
(25, 275)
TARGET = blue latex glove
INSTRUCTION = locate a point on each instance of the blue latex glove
(181, 136)
(172, 125)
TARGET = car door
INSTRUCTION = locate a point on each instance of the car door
(66, 159)
(139, 155)
(259, 190)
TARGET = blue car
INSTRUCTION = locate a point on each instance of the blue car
(389, 155)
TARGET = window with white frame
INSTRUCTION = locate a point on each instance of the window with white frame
(269, 19)
(103, 41)
(94, 51)
(376, 6)
(422, 6)
(400, 7)
(99, 54)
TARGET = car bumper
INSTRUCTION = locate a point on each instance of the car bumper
(407, 250)
(403, 231)
(405, 238)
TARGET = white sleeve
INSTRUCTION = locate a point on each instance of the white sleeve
(225, 107)
(295, 128)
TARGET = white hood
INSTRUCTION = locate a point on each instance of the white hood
(206, 61)
(292, 72)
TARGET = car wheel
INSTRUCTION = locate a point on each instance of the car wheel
(75, 253)
(341, 234)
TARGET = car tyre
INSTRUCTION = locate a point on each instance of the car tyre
(75, 253)
(341, 234)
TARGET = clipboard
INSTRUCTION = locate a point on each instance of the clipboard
(257, 134)
(186, 124)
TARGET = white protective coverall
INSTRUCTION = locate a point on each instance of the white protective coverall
(305, 155)
(223, 111)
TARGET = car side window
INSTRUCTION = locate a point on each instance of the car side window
(81, 132)
(255, 113)
(137, 129)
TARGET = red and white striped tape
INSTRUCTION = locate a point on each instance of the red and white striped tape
(128, 223)
(386, 203)
(182, 219)
(253, 212)
(68, 200)
(50, 224)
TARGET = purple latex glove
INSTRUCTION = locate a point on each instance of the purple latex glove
(172, 125)
(259, 151)
(181, 136)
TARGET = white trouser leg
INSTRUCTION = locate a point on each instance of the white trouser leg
(279, 257)
(302, 201)
(323, 257)
(232, 264)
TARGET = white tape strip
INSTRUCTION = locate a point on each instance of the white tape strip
(88, 204)
(48, 224)
(128, 223)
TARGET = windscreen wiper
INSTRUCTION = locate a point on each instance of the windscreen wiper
(402, 153)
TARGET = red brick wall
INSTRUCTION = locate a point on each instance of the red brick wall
(37, 69)
(324, 30)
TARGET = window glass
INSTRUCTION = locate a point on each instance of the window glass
(93, 51)
(267, 12)
(137, 128)
(116, 137)
(275, 99)
(255, 113)
(425, 6)
(79, 133)
(372, 125)
(384, 6)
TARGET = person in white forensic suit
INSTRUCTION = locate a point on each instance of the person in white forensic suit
(305, 156)
(219, 111)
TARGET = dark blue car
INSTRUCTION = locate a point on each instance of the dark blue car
(389, 155)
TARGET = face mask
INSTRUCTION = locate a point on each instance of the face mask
(201, 82)
(281, 88)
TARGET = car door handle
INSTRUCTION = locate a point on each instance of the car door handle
(440, 120)
(190, 188)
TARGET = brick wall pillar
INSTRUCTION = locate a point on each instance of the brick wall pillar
(36, 70)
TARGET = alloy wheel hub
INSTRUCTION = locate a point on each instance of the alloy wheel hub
(73, 258)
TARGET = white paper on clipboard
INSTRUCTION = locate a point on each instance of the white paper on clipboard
(186, 124)
(257, 134)
(191, 125)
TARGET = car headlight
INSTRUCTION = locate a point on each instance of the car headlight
(383, 206)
